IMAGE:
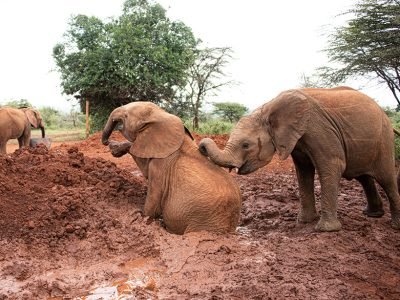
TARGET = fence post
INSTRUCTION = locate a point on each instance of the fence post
(87, 119)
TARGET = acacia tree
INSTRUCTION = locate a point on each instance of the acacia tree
(142, 55)
(368, 45)
(230, 111)
(206, 76)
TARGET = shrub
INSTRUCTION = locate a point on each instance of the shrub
(211, 127)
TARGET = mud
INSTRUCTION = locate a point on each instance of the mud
(71, 227)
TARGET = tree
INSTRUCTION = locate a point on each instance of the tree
(368, 45)
(230, 111)
(18, 103)
(206, 77)
(142, 55)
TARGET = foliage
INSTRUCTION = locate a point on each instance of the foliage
(18, 103)
(141, 55)
(210, 127)
(394, 116)
(313, 81)
(368, 45)
(230, 111)
(55, 119)
(206, 77)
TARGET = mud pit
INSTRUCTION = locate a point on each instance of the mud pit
(71, 227)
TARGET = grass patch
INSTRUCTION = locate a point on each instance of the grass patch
(58, 135)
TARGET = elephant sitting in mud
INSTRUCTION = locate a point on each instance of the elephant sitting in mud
(15, 123)
(337, 132)
(184, 187)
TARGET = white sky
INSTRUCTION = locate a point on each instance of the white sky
(274, 43)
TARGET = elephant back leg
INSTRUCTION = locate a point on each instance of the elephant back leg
(388, 182)
(374, 207)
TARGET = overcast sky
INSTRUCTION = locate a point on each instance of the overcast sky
(274, 43)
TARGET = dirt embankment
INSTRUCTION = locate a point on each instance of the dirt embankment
(71, 225)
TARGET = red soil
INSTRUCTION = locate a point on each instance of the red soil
(71, 221)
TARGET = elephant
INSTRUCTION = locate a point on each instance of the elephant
(187, 190)
(337, 132)
(15, 123)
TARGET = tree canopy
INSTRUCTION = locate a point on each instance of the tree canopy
(230, 111)
(142, 55)
(368, 45)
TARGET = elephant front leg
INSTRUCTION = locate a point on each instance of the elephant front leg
(305, 172)
(329, 191)
(152, 205)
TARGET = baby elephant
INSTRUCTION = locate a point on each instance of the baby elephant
(189, 191)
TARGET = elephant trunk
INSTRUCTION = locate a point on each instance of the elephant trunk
(43, 132)
(113, 120)
(220, 157)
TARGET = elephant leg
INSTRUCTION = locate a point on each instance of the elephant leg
(152, 205)
(374, 208)
(329, 178)
(305, 172)
(3, 148)
(388, 182)
(21, 141)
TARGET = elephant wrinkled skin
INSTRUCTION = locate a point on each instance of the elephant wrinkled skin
(16, 124)
(184, 187)
(337, 132)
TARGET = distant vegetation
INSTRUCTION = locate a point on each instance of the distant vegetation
(394, 116)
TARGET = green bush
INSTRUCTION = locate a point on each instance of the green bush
(211, 127)
(99, 119)
(397, 147)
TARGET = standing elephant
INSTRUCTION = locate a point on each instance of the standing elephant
(184, 187)
(16, 124)
(338, 132)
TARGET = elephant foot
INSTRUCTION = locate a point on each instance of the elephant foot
(332, 224)
(396, 221)
(307, 216)
(373, 213)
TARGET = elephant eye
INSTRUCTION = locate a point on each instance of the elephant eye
(245, 145)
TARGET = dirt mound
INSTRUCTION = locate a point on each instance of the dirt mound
(64, 207)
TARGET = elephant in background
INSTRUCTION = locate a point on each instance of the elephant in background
(15, 123)
(337, 132)
(187, 190)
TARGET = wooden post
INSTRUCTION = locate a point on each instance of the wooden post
(87, 119)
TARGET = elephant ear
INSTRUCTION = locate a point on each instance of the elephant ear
(160, 135)
(31, 115)
(287, 119)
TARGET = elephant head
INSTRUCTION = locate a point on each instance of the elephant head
(274, 127)
(153, 132)
(35, 119)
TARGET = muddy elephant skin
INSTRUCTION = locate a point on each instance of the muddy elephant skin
(185, 188)
(16, 124)
(337, 132)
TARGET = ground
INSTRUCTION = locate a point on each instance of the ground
(71, 227)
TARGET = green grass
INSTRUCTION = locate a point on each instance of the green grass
(58, 135)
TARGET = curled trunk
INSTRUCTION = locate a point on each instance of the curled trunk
(220, 157)
(113, 120)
